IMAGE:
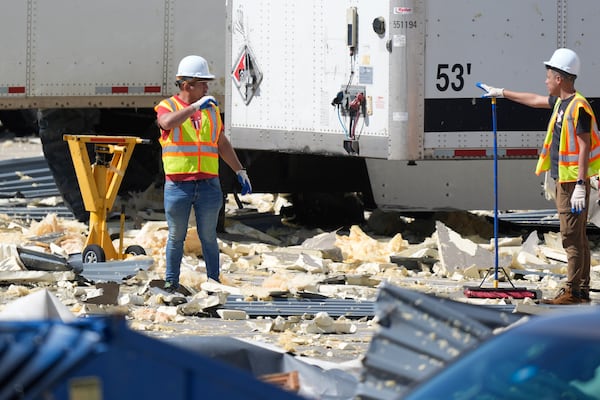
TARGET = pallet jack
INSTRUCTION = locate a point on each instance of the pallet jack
(99, 184)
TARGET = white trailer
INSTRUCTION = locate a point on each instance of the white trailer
(100, 67)
(421, 139)
(97, 54)
(423, 130)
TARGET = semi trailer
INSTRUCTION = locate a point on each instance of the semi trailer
(321, 96)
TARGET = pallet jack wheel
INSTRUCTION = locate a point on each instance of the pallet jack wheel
(93, 254)
(135, 250)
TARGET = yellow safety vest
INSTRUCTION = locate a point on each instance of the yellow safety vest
(568, 152)
(189, 149)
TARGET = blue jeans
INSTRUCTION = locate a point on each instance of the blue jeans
(206, 198)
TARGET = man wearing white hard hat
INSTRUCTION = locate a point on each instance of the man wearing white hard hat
(571, 154)
(192, 142)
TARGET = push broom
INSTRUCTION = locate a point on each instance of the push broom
(496, 292)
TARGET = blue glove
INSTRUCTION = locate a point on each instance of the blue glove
(244, 181)
(204, 102)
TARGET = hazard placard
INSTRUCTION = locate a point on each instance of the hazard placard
(246, 74)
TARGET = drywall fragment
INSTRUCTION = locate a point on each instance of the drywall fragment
(516, 241)
(471, 272)
(12, 263)
(323, 323)
(248, 262)
(323, 320)
(553, 240)
(212, 286)
(105, 293)
(552, 253)
(35, 276)
(167, 310)
(307, 263)
(38, 305)
(348, 292)
(131, 299)
(325, 243)
(281, 324)
(531, 309)
(298, 260)
(371, 268)
(457, 253)
(7, 250)
(202, 302)
(530, 252)
(101, 309)
(241, 229)
(232, 314)
(144, 314)
(344, 325)
(261, 325)
(362, 280)
(275, 260)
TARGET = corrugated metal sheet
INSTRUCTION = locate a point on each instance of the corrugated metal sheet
(24, 180)
(294, 306)
(418, 335)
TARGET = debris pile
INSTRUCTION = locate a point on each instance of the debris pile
(263, 268)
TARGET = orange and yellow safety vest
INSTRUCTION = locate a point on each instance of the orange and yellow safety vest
(568, 153)
(192, 148)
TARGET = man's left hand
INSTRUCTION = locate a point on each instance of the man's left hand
(578, 199)
(244, 181)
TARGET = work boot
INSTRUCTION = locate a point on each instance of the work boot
(170, 287)
(585, 296)
(565, 296)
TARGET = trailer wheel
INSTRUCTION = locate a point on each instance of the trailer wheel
(135, 250)
(93, 254)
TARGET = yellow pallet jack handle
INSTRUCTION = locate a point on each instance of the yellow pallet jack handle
(99, 182)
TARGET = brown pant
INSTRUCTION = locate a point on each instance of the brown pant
(574, 237)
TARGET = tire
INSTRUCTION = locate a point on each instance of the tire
(135, 250)
(93, 254)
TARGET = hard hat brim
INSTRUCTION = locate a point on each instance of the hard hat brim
(203, 78)
(555, 68)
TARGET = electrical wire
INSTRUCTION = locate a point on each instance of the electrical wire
(362, 127)
(354, 123)
(339, 113)
(350, 78)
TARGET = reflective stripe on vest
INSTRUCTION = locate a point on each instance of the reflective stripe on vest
(189, 149)
(177, 130)
(568, 154)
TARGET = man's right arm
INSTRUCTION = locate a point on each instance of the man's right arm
(528, 99)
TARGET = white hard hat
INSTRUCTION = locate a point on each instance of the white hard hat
(565, 60)
(194, 67)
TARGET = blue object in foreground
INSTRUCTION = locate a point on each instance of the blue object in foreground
(101, 358)
(555, 356)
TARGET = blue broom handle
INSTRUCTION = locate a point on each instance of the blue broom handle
(494, 128)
